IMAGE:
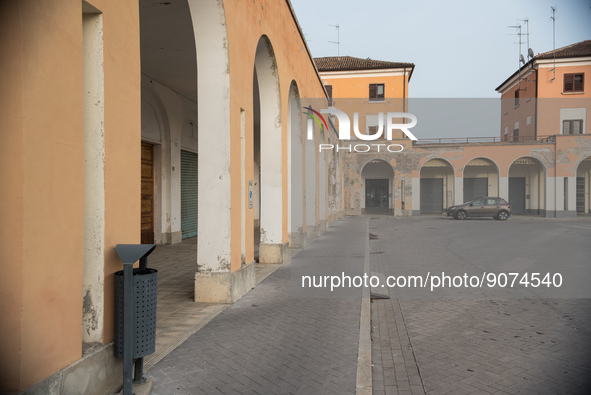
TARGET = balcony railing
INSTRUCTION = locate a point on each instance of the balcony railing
(486, 140)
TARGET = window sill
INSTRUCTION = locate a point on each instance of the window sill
(377, 101)
(574, 93)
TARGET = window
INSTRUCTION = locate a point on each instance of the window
(329, 93)
(478, 202)
(491, 202)
(517, 98)
(573, 126)
(376, 92)
(515, 134)
(573, 82)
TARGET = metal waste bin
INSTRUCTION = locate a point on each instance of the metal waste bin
(135, 311)
(145, 290)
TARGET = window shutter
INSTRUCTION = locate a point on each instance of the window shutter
(373, 91)
(568, 82)
(578, 82)
(577, 127)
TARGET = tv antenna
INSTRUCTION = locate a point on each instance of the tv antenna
(338, 42)
(553, 17)
(529, 51)
(520, 59)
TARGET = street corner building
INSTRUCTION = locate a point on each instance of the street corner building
(127, 122)
(144, 122)
(540, 161)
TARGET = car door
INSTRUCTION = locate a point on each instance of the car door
(491, 206)
(477, 208)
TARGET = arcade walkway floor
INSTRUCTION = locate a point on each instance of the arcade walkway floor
(178, 317)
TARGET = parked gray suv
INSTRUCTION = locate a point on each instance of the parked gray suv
(482, 207)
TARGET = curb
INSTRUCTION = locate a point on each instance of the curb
(364, 377)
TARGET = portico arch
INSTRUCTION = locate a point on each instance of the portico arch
(377, 181)
(583, 187)
(437, 186)
(268, 154)
(527, 186)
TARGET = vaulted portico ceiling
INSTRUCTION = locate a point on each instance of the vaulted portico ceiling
(168, 46)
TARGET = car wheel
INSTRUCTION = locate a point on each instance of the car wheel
(503, 215)
(461, 215)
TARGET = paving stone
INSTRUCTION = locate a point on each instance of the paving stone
(474, 345)
(272, 341)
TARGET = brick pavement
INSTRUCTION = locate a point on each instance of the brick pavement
(272, 341)
(472, 345)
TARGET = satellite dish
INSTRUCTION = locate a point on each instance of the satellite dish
(530, 53)
(522, 59)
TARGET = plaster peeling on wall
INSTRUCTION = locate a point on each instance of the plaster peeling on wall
(224, 265)
(89, 313)
(544, 155)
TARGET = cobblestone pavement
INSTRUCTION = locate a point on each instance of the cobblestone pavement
(480, 344)
(272, 341)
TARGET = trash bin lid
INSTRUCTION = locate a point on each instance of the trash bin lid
(131, 253)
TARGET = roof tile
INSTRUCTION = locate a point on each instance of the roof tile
(343, 63)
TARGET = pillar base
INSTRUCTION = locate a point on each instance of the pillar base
(224, 287)
(322, 226)
(171, 238)
(296, 240)
(561, 214)
(274, 253)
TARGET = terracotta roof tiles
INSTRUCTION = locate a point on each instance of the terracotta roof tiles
(343, 63)
(575, 50)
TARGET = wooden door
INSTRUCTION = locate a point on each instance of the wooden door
(147, 194)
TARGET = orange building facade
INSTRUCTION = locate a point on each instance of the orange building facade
(535, 165)
(127, 122)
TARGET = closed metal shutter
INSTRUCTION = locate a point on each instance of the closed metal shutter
(376, 195)
(431, 195)
(188, 194)
(517, 194)
(475, 187)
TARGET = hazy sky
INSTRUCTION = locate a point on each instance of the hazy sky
(460, 48)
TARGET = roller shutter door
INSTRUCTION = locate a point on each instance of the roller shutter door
(188, 194)
(517, 194)
(475, 187)
(431, 195)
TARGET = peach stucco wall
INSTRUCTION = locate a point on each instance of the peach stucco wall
(547, 88)
(42, 162)
(358, 87)
(247, 22)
